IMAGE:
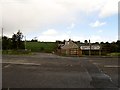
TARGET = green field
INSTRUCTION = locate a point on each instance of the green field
(47, 47)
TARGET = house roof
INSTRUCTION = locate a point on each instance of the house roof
(69, 45)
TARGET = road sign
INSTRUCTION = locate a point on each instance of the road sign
(93, 47)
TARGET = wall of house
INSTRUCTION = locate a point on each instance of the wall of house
(70, 52)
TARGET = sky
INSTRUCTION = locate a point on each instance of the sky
(51, 20)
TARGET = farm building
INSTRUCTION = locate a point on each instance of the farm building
(69, 49)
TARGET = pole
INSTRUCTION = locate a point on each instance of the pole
(100, 50)
(25, 42)
(90, 48)
(2, 32)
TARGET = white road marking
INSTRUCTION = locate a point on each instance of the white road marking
(6, 66)
(111, 66)
(96, 63)
(22, 63)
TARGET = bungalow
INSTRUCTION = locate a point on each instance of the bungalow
(69, 49)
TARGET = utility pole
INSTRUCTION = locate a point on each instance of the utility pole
(90, 48)
(25, 43)
(2, 32)
(100, 50)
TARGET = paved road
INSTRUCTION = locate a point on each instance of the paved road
(51, 71)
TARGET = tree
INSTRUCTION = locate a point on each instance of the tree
(14, 41)
(6, 43)
(86, 42)
(113, 47)
(96, 42)
(58, 41)
(17, 40)
(34, 40)
(106, 47)
(118, 45)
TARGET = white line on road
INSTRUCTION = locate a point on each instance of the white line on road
(6, 66)
(112, 66)
(22, 63)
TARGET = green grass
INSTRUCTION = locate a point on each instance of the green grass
(113, 54)
(16, 52)
(47, 47)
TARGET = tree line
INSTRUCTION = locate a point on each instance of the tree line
(16, 43)
(13, 43)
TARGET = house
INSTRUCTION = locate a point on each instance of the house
(69, 49)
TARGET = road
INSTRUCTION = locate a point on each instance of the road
(51, 71)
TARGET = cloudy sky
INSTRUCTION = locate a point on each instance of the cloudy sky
(51, 20)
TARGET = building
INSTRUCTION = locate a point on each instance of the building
(69, 49)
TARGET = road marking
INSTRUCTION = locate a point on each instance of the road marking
(22, 63)
(112, 66)
(6, 66)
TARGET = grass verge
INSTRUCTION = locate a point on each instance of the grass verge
(16, 52)
(113, 54)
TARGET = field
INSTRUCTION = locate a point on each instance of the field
(47, 47)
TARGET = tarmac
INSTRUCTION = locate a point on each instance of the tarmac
(51, 71)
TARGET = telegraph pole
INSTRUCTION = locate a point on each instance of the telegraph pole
(100, 50)
(2, 32)
(90, 48)
(25, 43)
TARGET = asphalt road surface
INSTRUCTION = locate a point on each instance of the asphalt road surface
(51, 71)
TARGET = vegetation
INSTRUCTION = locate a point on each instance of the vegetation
(13, 43)
(16, 52)
(16, 45)
(47, 47)
(114, 54)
